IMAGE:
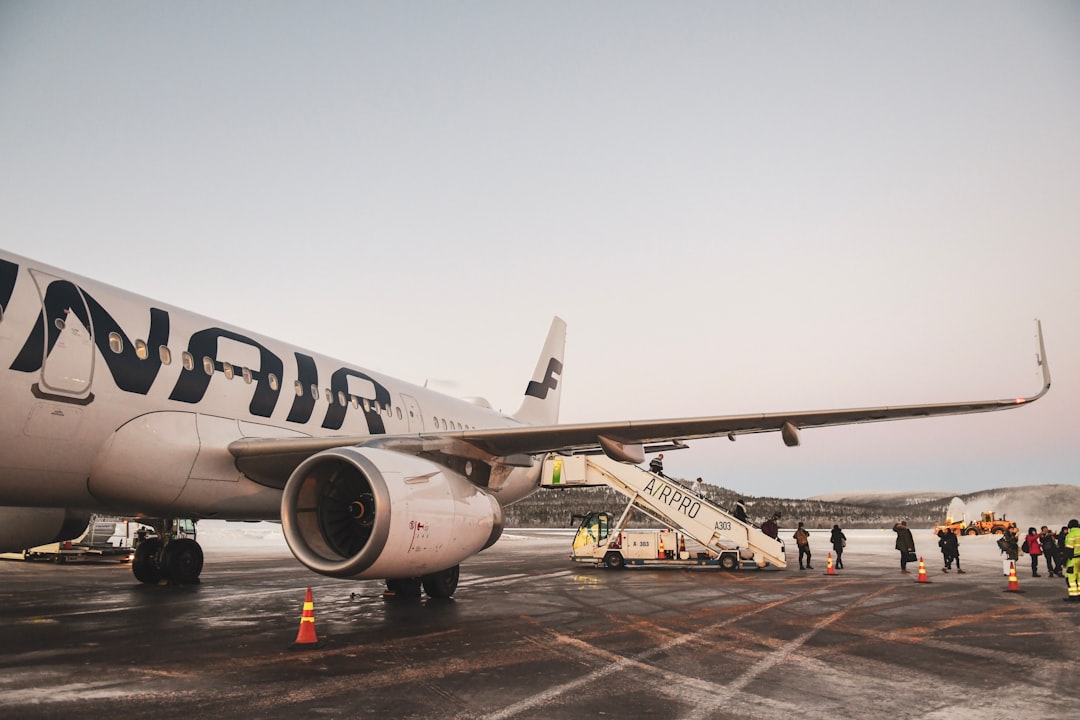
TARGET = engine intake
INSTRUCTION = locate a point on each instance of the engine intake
(368, 512)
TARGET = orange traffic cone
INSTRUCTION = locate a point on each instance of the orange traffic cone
(829, 566)
(922, 572)
(660, 550)
(306, 635)
(682, 545)
(1014, 584)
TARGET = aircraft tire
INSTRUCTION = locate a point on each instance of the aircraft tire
(442, 584)
(145, 564)
(404, 587)
(183, 560)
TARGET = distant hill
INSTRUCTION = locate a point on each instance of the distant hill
(1028, 505)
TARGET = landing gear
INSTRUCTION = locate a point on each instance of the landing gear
(172, 556)
(442, 584)
(439, 585)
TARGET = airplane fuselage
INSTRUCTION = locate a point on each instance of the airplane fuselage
(91, 375)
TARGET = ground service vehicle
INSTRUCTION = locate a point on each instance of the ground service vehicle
(725, 541)
(986, 525)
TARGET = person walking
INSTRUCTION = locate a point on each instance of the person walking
(839, 542)
(905, 543)
(1071, 555)
(770, 528)
(740, 511)
(950, 550)
(656, 465)
(802, 539)
(1033, 547)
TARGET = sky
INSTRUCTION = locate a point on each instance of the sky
(737, 207)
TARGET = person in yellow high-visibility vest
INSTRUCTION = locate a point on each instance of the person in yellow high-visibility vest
(1071, 548)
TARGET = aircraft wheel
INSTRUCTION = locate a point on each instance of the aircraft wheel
(728, 562)
(184, 561)
(614, 561)
(145, 564)
(404, 587)
(442, 584)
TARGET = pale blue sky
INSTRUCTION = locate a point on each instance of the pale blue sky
(737, 207)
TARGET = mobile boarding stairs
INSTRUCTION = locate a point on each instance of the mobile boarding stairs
(667, 502)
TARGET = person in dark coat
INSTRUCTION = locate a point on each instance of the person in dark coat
(1010, 548)
(839, 541)
(905, 543)
(802, 539)
(656, 465)
(770, 528)
(950, 550)
(1051, 551)
(740, 511)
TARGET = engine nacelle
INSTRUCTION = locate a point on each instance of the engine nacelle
(23, 528)
(371, 513)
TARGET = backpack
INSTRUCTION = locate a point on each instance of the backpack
(1024, 547)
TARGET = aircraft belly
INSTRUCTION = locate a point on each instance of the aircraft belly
(146, 463)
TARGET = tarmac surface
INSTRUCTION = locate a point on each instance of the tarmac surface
(531, 635)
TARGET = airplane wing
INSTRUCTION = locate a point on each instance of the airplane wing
(271, 460)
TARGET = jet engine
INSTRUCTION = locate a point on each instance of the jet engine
(360, 512)
(23, 528)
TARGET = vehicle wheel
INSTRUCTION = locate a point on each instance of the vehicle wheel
(183, 560)
(145, 565)
(614, 561)
(972, 531)
(442, 584)
(728, 562)
(999, 531)
(404, 587)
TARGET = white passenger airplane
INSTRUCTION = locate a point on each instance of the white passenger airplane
(115, 403)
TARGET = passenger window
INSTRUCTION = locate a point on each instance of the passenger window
(298, 388)
(141, 351)
(1, 313)
(187, 360)
(228, 369)
(355, 402)
(207, 365)
(164, 355)
(397, 411)
(436, 423)
(116, 343)
(273, 382)
(314, 392)
(367, 405)
(59, 324)
(341, 398)
(247, 374)
(329, 396)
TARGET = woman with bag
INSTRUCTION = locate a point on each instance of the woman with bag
(905, 543)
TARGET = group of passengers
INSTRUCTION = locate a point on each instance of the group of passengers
(1046, 544)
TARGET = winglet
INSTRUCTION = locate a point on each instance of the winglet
(540, 405)
(1040, 357)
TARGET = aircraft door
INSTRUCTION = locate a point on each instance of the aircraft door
(68, 363)
(412, 411)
